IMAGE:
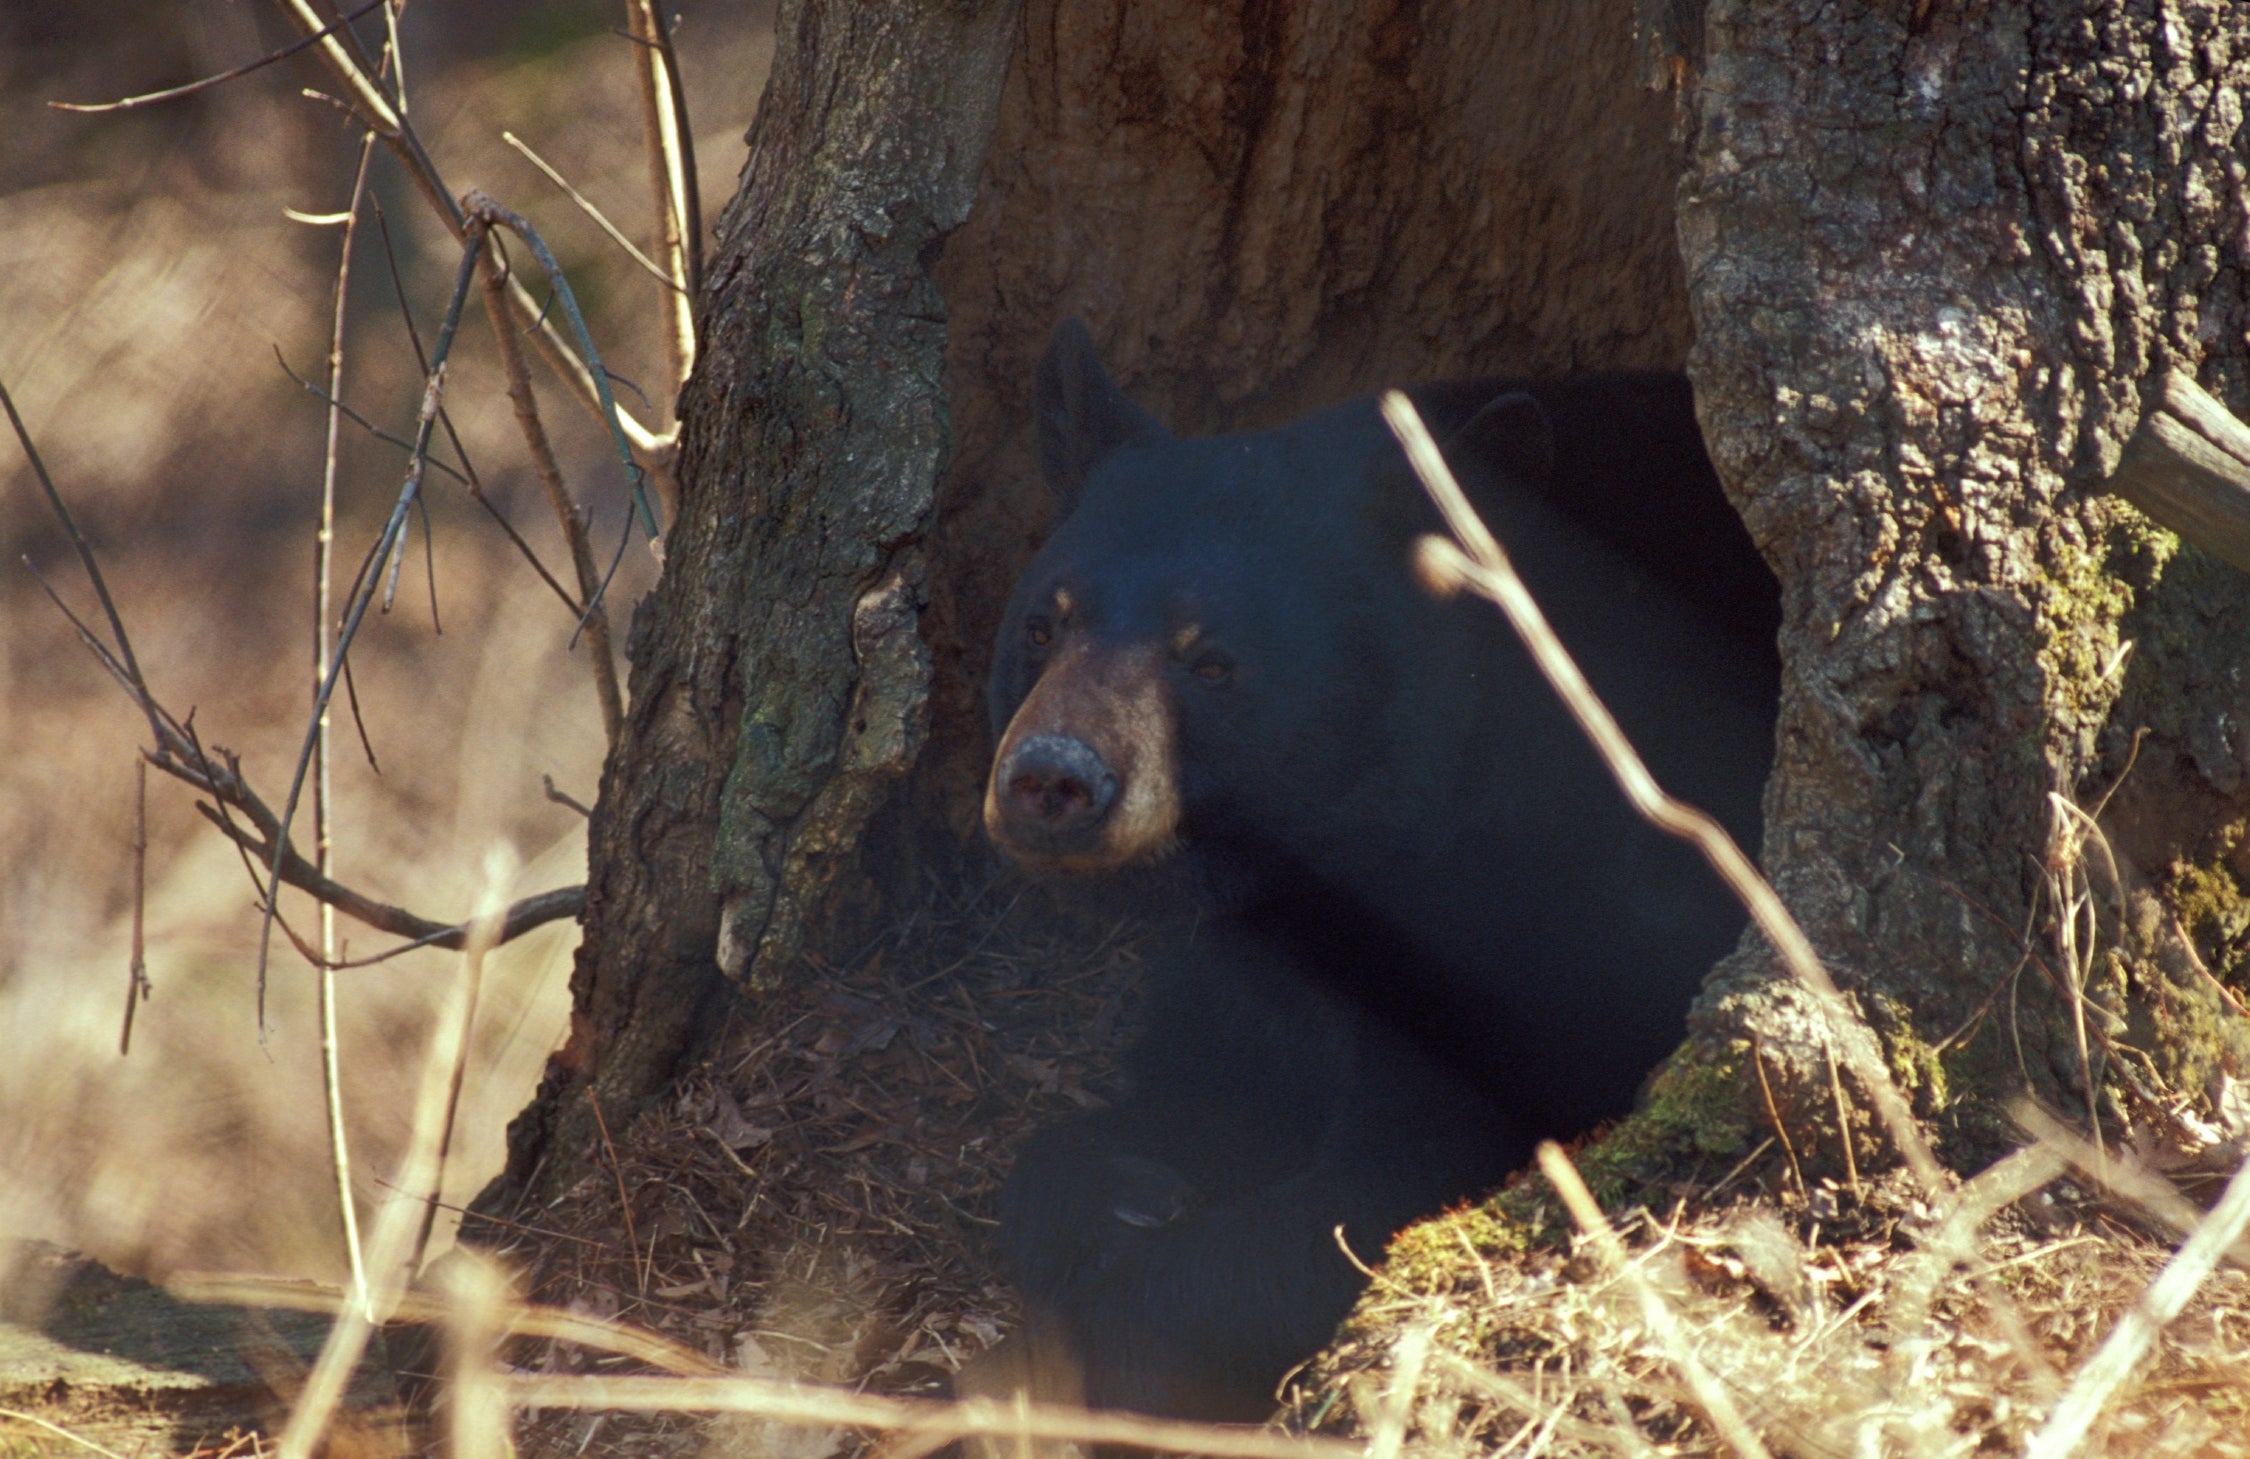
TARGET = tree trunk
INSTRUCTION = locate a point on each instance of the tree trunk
(1262, 208)
(1936, 254)
(1927, 255)
(778, 682)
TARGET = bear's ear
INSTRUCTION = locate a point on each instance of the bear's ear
(1509, 437)
(1082, 415)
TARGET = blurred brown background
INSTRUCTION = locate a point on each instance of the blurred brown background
(148, 276)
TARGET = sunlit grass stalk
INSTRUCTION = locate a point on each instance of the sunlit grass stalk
(398, 1228)
(324, 848)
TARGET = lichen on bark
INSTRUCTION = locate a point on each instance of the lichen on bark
(1935, 253)
(779, 679)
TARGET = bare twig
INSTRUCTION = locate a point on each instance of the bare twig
(466, 475)
(2154, 1197)
(191, 88)
(1843, 1120)
(375, 110)
(476, 1406)
(586, 206)
(124, 663)
(624, 1200)
(364, 592)
(136, 978)
(2226, 995)
(177, 752)
(690, 188)
(482, 209)
(1474, 559)
(484, 935)
(563, 797)
(551, 1323)
(295, 871)
(19, 1416)
(395, 1230)
(1781, 1131)
(568, 514)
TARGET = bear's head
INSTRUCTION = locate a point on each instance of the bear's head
(1214, 640)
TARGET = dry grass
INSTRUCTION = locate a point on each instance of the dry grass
(1836, 1328)
(147, 277)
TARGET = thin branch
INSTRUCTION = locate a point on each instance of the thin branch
(136, 976)
(124, 661)
(324, 554)
(690, 188)
(391, 1252)
(1717, 1404)
(586, 206)
(660, 132)
(554, 1323)
(466, 476)
(365, 590)
(329, 399)
(1474, 559)
(2128, 1342)
(376, 112)
(179, 753)
(482, 209)
(569, 515)
(535, 911)
(563, 797)
(192, 87)
(19, 1416)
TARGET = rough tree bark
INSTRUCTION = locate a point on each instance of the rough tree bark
(1936, 254)
(778, 682)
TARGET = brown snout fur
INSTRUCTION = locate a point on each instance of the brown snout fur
(1115, 700)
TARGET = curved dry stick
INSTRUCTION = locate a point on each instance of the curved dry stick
(655, 70)
(2129, 1341)
(324, 799)
(1474, 559)
(521, 916)
(683, 138)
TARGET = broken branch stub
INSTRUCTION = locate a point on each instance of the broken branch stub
(2188, 466)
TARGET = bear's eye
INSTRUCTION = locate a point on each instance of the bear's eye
(1038, 632)
(1212, 667)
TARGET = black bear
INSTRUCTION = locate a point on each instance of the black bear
(1433, 931)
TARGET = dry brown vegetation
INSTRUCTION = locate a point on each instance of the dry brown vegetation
(151, 279)
(798, 1243)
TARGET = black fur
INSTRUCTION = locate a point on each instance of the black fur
(1436, 933)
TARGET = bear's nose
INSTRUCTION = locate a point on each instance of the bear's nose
(1054, 785)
